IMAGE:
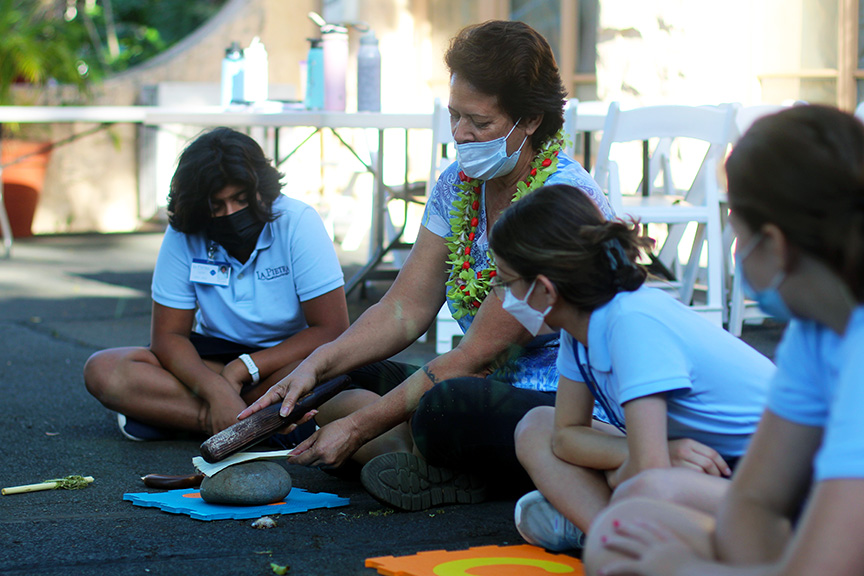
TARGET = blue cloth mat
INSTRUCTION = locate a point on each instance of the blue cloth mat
(188, 501)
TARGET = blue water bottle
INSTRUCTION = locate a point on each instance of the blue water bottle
(233, 67)
(314, 98)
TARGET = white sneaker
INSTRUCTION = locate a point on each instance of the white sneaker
(541, 524)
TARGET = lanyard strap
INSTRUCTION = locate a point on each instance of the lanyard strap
(591, 382)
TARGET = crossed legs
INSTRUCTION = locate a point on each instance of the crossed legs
(580, 494)
(133, 382)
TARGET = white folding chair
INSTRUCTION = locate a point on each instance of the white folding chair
(741, 309)
(583, 119)
(859, 112)
(695, 128)
(442, 139)
(400, 236)
(446, 328)
(571, 112)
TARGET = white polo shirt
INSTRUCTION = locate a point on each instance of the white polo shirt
(645, 342)
(820, 382)
(293, 261)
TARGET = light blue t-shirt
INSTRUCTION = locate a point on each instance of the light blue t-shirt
(293, 261)
(820, 382)
(645, 342)
(534, 368)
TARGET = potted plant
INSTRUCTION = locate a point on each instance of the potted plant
(40, 45)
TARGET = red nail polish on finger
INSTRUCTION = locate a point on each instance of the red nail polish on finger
(616, 524)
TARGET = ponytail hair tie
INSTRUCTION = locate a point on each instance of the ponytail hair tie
(617, 256)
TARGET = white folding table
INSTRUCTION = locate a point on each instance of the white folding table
(334, 121)
(236, 117)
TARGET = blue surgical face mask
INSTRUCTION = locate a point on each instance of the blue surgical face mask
(487, 160)
(769, 300)
(530, 318)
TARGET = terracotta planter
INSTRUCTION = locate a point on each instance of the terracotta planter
(22, 183)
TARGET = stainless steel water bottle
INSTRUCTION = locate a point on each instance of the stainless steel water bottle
(369, 74)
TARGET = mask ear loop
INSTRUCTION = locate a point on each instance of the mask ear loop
(529, 293)
(548, 306)
(513, 128)
(744, 252)
(511, 132)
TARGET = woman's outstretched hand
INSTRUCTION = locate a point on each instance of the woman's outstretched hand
(288, 390)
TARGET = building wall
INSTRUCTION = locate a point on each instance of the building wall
(700, 52)
(683, 51)
(92, 183)
(674, 51)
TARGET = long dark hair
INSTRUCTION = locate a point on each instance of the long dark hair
(216, 159)
(512, 61)
(559, 232)
(802, 170)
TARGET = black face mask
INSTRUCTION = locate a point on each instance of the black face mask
(237, 233)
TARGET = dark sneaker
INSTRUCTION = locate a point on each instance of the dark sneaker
(139, 431)
(406, 482)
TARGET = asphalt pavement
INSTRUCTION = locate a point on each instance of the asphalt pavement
(64, 297)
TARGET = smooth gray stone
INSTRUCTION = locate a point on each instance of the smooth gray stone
(247, 484)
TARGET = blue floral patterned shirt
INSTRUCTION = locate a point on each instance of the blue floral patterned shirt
(534, 367)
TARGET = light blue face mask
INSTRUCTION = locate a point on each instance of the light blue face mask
(487, 160)
(769, 300)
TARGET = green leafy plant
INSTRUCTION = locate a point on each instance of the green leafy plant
(132, 31)
(43, 42)
(40, 45)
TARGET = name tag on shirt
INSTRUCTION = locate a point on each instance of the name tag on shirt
(210, 272)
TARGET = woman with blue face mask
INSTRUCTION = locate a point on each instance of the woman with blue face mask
(683, 395)
(796, 504)
(506, 113)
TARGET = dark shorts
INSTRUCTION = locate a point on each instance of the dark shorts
(218, 349)
(225, 351)
(379, 377)
(469, 424)
(465, 423)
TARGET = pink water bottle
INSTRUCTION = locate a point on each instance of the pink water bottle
(335, 44)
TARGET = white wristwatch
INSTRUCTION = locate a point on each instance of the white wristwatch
(250, 365)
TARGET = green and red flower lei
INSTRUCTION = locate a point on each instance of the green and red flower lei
(468, 288)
